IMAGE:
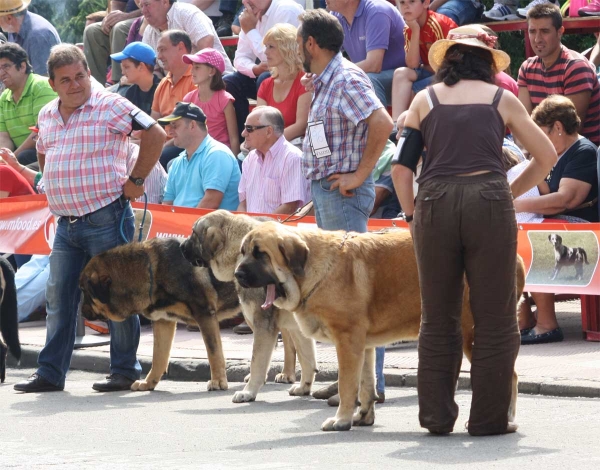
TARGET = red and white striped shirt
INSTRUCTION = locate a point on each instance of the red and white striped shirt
(273, 180)
(86, 158)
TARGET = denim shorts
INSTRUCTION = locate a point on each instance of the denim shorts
(424, 79)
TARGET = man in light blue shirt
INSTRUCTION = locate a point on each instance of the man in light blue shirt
(206, 174)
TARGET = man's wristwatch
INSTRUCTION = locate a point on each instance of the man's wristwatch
(408, 218)
(137, 181)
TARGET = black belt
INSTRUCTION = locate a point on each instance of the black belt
(74, 218)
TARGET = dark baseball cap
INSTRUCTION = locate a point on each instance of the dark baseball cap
(184, 110)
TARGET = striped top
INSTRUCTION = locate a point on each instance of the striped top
(567, 76)
(436, 27)
(273, 179)
(16, 118)
(86, 157)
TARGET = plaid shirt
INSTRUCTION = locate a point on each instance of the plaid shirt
(343, 99)
(86, 158)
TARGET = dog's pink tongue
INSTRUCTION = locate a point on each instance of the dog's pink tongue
(270, 298)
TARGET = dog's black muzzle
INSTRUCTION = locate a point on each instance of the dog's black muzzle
(252, 274)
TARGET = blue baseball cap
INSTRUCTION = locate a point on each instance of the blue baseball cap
(137, 51)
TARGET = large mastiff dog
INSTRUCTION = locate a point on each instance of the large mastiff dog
(215, 242)
(153, 279)
(357, 291)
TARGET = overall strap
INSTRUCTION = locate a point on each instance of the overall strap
(432, 98)
(497, 97)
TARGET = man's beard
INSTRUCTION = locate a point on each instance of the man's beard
(307, 59)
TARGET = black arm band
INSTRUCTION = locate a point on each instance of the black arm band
(410, 148)
(141, 121)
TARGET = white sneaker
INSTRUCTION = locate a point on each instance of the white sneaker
(522, 12)
(501, 12)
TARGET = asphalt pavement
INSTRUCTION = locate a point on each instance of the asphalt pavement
(181, 426)
(570, 368)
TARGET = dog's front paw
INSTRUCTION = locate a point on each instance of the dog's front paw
(299, 390)
(282, 378)
(142, 386)
(243, 397)
(364, 417)
(217, 385)
(333, 424)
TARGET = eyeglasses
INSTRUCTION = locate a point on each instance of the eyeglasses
(251, 129)
(6, 67)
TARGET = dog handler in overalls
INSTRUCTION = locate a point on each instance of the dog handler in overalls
(463, 223)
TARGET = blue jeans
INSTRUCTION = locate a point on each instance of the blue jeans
(228, 6)
(336, 212)
(241, 88)
(461, 11)
(379, 359)
(74, 244)
(382, 82)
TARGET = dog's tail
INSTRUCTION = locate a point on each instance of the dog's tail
(584, 256)
(9, 321)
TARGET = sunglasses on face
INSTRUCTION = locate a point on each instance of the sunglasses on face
(251, 129)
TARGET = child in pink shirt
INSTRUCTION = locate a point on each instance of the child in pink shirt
(207, 73)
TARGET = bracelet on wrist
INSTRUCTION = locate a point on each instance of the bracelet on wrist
(22, 168)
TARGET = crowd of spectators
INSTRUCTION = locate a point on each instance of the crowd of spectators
(166, 57)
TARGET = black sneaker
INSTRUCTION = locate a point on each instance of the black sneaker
(224, 25)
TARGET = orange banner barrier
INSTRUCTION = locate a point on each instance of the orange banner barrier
(27, 227)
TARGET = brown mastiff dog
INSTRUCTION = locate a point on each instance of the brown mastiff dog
(153, 279)
(357, 291)
(215, 243)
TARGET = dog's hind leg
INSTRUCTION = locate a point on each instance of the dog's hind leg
(307, 356)
(265, 337)
(163, 332)
(365, 416)
(288, 374)
(350, 349)
(209, 327)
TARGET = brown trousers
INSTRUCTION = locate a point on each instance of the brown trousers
(466, 225)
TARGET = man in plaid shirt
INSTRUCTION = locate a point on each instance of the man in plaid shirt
(83, 147)
(347, 127)
(347, 130)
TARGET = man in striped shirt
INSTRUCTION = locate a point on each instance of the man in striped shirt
(272, 180)
(556, 70)
(25, 94)
(83, 147)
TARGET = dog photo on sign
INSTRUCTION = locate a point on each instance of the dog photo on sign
(563, 258)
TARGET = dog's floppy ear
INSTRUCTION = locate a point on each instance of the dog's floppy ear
(550, 237)
(295, 252)
(213, 241)
(99, 286)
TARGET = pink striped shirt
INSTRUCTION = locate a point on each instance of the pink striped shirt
(86, 158)
(275, 180)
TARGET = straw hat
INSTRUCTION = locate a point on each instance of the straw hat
(470, 35)
(10, 7)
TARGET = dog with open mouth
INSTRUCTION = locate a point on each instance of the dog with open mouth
(341, 292)
(215, 242)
